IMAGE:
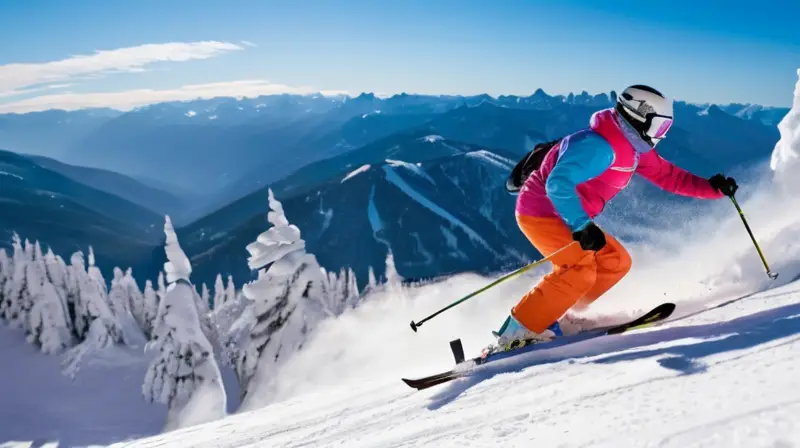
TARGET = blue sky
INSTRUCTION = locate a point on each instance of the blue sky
(699, 51)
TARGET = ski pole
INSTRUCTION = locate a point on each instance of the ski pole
(770, 274)
(415, 325)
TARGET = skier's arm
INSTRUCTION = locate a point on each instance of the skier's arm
(583, 156)
(674, 179)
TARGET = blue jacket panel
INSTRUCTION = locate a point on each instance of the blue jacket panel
(583, 155)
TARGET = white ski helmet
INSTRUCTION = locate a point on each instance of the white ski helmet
(647, 110)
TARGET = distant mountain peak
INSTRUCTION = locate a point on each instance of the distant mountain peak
(539, 93)
(432, 138)
(365, 96)
(484, 103)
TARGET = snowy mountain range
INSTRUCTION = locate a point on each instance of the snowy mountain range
(43, 204)
(211, 152)
(125, 187)
(209, 163)
(439, 206)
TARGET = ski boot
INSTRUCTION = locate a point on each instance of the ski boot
(513, 334)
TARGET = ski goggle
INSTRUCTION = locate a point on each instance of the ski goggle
(657, 125)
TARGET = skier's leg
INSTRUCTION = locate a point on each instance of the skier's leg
(613, 263)
(574, 274)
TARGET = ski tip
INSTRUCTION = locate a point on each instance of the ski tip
(414, 384)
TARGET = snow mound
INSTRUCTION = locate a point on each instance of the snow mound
(787, 151)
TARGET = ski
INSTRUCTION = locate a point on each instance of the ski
(465, 367)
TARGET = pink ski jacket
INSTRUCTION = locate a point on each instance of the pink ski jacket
(587, 169)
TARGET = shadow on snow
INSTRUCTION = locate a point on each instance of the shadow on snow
(714, 338)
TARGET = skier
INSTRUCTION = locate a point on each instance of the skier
(570, 182)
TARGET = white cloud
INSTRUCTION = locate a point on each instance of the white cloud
(248, 43)
(33, 90)
(129, 99)
(15, 77)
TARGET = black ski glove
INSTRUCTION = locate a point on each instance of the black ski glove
(591, 237)
(727, 185)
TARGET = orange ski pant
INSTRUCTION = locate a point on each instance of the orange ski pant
(578, 278)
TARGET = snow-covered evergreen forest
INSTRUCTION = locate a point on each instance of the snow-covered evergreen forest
(71, 309)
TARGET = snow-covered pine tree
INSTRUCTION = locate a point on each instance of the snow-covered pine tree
(232, 326)
(341, 291)
(393, 278)
(202, 308)
(287, 301)
(230, 289)
(16, 288)
(372, 283)
(205, 318)
(219, 292)
(117, 297)
(184, 374)
(47, 323)
(205, 296)
(58, 276)
(135, 297)
(353, 298)
(35, 274)
(5, 273)
(149, 308)
(96, 277)
(162, 286)
(56, 271)
(119, 300)
(95, 323)
(78, 290)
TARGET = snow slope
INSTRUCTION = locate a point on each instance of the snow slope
(723, 378)
(104, 404)
(786, 155)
